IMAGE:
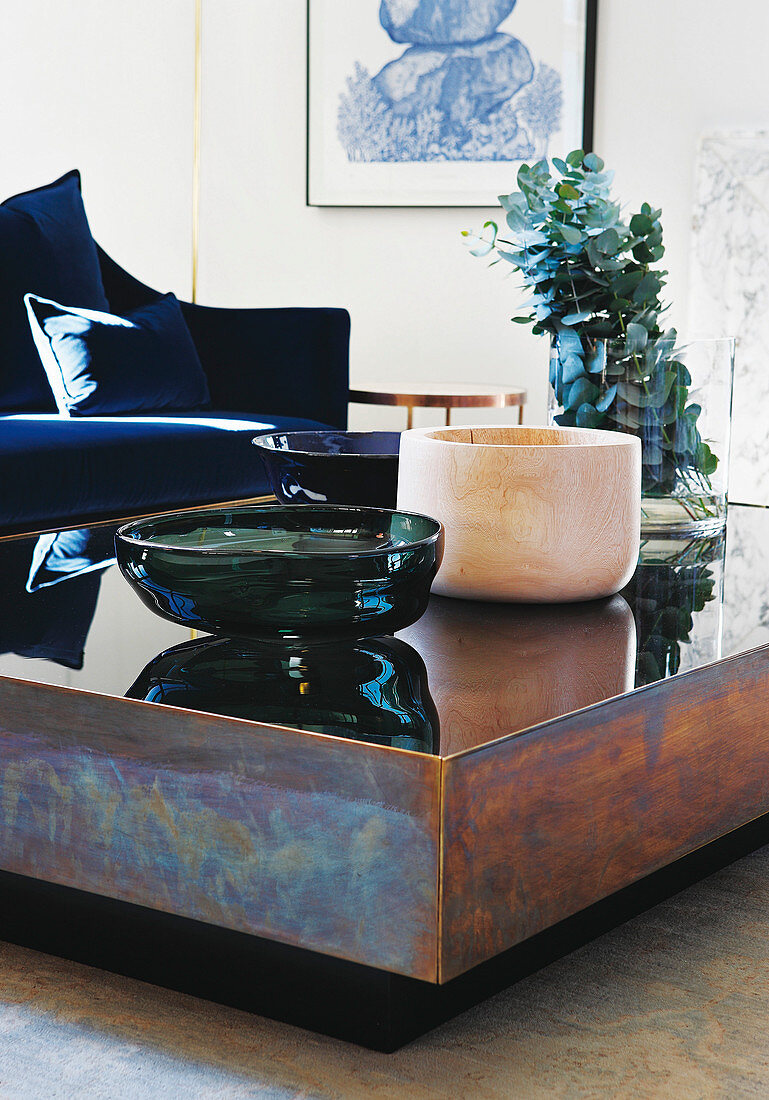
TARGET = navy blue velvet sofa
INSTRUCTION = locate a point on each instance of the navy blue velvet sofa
(266, 369)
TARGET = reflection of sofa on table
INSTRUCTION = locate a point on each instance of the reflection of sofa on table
(265, 368)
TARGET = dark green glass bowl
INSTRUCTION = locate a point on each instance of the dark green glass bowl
(291, 574)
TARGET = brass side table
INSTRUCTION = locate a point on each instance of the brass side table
(437, 396)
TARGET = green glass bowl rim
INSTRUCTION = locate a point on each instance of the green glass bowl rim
(377, 456)
(122, 535)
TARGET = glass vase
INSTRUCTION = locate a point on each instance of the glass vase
(676, 397)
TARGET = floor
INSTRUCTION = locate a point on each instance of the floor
(673, 1004)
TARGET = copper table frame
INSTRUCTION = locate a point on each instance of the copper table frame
(440, 397)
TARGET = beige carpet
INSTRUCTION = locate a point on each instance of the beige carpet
(674, 1004)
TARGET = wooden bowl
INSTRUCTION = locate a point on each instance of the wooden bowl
(536, 515)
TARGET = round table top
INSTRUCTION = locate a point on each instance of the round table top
(439, 394)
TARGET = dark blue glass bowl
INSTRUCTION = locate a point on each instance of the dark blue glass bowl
(359, 468)
(296, 574)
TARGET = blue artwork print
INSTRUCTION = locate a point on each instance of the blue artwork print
(461, 90)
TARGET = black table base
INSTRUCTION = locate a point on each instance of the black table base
(346, 1000)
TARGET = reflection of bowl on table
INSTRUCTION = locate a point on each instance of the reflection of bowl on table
(495, 669)
(373, 690)
(331, 467)
(284, 574)
(530, 514)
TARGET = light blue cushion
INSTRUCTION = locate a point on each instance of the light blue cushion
(99, 364)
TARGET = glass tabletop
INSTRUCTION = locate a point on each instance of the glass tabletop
(464, 674)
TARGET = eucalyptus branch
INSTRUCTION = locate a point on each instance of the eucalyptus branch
(566, 231)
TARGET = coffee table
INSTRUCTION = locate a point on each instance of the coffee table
(359, 887)
(437, 395)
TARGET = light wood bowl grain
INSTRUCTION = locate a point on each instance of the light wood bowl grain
(535, 515)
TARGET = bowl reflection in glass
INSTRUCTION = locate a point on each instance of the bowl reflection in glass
(374, 691)
(495, 669)
(332, 467)
(294, 575)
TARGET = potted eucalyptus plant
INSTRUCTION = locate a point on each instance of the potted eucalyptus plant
(595, 288)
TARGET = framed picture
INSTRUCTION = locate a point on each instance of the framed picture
(437, 102)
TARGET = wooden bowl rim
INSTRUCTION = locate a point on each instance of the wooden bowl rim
(593, 437)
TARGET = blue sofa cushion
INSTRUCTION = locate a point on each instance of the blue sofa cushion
(99, 364)
(54, 469)
(46, 248)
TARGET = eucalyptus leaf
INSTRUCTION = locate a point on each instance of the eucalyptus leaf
(517, 259)
(637, 337)
(569, 343)
(641, 224)
(567, 191)
(626, 283)
(595, 361)
(572, 369)
(608, 242)
(570, 233)
(606, 398)
(516, 219)
(642, 253)
(581, 392)
(653, 454)
(706, 460)
(588, 416)
(647, 396)
(482, 245)
(576, 318)
(649, 287)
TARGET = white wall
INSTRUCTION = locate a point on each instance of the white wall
(108, 85)
(668, 71)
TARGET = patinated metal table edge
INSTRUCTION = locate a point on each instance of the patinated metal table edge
(358, 862)
(663, 770)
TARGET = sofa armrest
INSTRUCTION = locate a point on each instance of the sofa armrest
(285, 362)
